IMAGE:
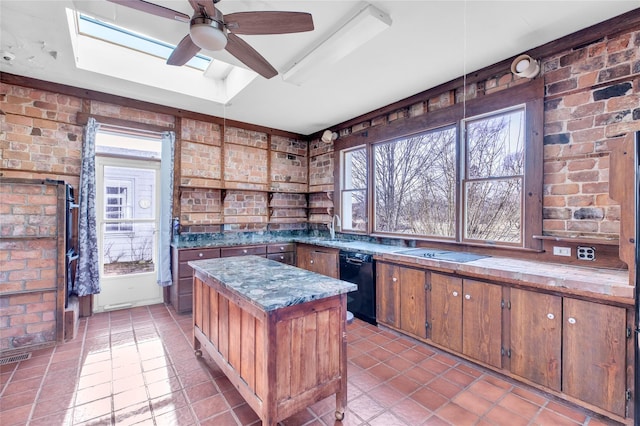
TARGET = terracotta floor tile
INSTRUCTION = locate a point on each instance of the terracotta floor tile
(245, 414)
(519, 406)
(457, 415)
(179, 417)
(209, 407)
(15, 416)
(365, 407)
(387, 419)
(444, 387)
(92, 410)
(429, 399)
(411, 412)
(500, 416)
(386, 395)
(403, 384)
(201, 391)
(137, 367)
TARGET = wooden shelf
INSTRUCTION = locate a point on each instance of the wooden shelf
(578, 240)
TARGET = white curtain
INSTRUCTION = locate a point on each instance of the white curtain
(166, 191)
(87, 279)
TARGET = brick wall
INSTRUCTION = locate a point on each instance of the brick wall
(28, 264)
(592, 96)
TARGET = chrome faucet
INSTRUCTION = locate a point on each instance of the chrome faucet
(332, 226)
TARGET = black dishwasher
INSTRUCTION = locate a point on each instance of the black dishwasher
(358, 268)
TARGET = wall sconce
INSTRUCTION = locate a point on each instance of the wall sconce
(525, 66)
(328, 136)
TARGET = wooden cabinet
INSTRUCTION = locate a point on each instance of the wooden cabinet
(284, 253)
(181, 291)
(466, 316)
(536, 337)
(401, 298)
(318, 259)
(594, 354)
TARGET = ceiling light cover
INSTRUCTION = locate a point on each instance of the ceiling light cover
(357, 31)
(207, 34)
(525, 66)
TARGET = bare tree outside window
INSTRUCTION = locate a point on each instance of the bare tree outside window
(415, 184)
(494, 177)
(354, 190)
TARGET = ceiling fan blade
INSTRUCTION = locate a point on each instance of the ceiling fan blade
(258, 23)
(249, 56)
(184, 51)
(207, 5)
(153, 9)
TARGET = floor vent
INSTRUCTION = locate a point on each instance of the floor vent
(14, 358)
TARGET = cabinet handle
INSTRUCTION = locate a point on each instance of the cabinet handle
(394, 279)
(467, 296)
(245, 251)
(571, 320)
(311, 261)
(281, 257)
(200, 254)
(281, 248)
(455, 294)
(550, 316)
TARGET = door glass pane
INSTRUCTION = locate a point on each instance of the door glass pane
(129, 220)
(493, 210)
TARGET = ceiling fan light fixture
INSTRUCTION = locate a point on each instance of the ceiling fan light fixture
(207, 34)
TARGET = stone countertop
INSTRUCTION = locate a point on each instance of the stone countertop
(544, 275)
(268, 284)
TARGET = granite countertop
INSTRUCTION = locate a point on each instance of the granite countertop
(269, 284)
(575, 279)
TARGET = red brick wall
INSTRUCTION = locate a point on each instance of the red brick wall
(28, 264)
(592, 96)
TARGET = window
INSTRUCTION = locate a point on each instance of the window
(117, 206)
(354, 189)
(415, 184)
(127, 38)
(493, 177)
(463, 175)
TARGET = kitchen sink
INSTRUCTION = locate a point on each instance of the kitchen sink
(451, 256)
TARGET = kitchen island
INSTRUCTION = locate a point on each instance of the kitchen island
(278, 332)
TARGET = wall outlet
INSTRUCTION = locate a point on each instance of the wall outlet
(586, 253)
(562, 251)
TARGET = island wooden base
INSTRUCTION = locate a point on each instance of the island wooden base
(280, 361)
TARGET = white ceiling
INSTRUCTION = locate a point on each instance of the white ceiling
(428, 43)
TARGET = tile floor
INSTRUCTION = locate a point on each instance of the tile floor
(136, 366)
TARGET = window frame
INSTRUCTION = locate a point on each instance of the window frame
(530, 94)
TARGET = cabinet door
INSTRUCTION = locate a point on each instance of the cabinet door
(594, 355)
(413, 310)
(446, 311)
(325, 263)
(536, 337)
(314, 259)
(482, 322)
(387, 295)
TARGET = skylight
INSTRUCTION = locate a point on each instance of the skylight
(108, 32)
(118, 52)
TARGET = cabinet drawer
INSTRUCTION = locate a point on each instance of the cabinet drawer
(185, 286)
(287, 258)
(243, 251)
(280, 248)
(197, 254)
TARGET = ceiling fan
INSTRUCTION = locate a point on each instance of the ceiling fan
(211, 30)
